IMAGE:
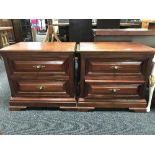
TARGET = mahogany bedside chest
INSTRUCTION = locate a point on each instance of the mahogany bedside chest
(115, 74)
(40, 74)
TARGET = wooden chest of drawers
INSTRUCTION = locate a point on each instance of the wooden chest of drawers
(40, 74)
(114, 75)
(88, 76)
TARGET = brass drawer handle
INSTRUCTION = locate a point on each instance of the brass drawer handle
(41, 87)
(114, 90)
(38, 67)
(115, 68)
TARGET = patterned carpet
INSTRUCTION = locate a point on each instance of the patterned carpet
(42, 122)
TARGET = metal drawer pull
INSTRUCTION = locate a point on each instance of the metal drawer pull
(41, 87)
(38, 67)
(115, 68)
(114, 90)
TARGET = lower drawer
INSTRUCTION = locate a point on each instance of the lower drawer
(103, 90)
(41, 88)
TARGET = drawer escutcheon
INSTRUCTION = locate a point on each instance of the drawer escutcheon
(38, 67)
(114, 90)
(115, 68)
(41, 87)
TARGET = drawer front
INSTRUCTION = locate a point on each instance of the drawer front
(104, 90)
(41, 65)
(98, 65)
(114, 67)
(42, 88)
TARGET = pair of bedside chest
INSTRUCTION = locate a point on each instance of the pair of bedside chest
(79, 77)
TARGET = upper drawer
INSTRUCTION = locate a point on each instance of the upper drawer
(41, 65)
(113, 67)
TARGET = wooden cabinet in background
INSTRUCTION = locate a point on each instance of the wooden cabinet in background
(22, 30)
(5, 23)
(7, 27)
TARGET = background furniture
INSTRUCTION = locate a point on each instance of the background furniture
(4, 41)
(7, 27)
(51, 35)
(130, 23)
(66, 29)
(143, 36)
(108, 23)
(151, 25)
(63, 29)
(80, 30)
(22, 30)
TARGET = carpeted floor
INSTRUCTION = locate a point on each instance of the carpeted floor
(38, 122)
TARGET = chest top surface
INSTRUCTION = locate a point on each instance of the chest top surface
(40, 47)
(115, 47)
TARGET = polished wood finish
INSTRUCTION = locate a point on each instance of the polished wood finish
(39, 75)
(124, 32)
(113, 74)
